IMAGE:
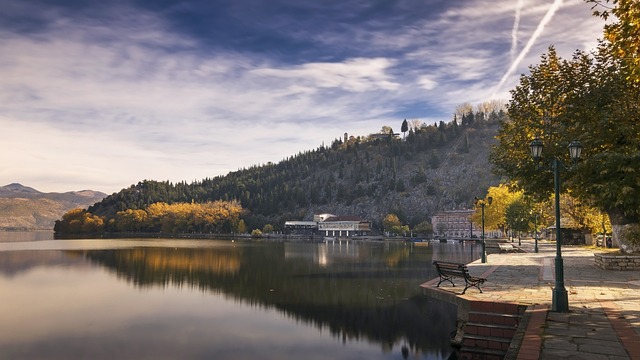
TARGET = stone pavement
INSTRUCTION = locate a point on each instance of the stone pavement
(603, 321)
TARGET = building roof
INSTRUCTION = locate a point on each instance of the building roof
(343, 218)
(313, 223)
(453, 212)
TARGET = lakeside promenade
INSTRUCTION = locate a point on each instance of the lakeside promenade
(603, 322)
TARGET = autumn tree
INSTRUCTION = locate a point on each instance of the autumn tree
(577, 214)
(622, 34)
(242, 227)
(588, 98)
(92, 224)
(78, 221)
(415, 124)
(214, 216)
(463, 110)
(391, 223)
(267, 229)
(131, 220)
(495, 213)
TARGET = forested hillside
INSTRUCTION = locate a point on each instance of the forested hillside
(411, 174)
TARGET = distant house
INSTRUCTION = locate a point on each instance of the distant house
(329, 225)
(382, 136)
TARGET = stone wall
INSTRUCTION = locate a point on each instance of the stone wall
(618, 262)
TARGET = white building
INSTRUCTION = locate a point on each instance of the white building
(344, 226)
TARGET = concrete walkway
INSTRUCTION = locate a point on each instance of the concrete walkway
(603, 321)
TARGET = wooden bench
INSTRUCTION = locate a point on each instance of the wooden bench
(448, 270)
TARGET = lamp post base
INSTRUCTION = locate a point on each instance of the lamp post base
(484, 252)
(560, 300)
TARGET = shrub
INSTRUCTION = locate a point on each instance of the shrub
(256, 233)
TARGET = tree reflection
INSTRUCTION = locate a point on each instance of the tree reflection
(367, 291)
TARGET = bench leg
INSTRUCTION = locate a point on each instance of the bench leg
(468, 285)
(445, 278)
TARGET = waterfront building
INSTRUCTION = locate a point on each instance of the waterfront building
(301, 227)
(458, 224)
(453, 224)
(330, 225)
(344, 226)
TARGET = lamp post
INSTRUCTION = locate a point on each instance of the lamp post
(604, 233)
(482, 203)
(560, 300)
(535, 233)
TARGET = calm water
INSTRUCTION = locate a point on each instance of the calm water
(204, 299)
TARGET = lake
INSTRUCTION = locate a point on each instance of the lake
(218, 299)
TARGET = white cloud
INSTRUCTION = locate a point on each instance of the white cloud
(357, 75)
(103, 105)
(426, 83)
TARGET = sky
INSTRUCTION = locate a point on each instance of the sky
(100, 95)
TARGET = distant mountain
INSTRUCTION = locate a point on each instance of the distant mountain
(17, 190)
(25, 208)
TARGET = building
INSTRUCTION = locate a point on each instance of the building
(458, 224)
(330, 226)
(453, 224)
(301, 227)
(343, 226)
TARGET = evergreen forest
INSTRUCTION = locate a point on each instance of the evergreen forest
(412, 174)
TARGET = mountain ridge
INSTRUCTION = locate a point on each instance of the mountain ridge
(25, 208)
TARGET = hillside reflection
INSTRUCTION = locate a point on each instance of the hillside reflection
(355, 290)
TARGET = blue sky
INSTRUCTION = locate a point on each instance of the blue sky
(102, 94)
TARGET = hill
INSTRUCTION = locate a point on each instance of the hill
(25, 208)
(435, 167)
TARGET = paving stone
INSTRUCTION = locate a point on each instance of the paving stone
(560, 343)
(603, 334)
(616, 350)
(597, 299)
(571, 355)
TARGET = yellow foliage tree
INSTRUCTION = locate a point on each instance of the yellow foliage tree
(494, 214)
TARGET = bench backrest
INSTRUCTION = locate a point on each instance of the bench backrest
(449, 268)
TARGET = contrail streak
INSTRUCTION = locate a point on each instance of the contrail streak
(545, 20)
(514, 31)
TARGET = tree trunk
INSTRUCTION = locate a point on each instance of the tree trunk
(619, 223)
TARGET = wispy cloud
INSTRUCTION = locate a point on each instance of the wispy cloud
(107, 98)
(532, 40)
(514, 31)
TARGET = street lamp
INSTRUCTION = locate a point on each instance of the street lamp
(535, 232)
(560, 300)
(482, 203)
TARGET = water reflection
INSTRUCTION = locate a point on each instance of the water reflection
(358, 293)
(10, 236)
